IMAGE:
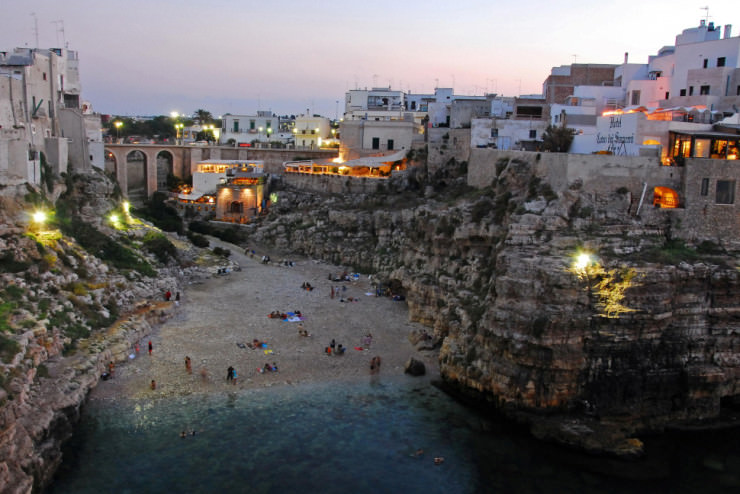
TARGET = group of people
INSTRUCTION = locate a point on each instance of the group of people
(268, 368)
(303, 331)
(334, 349)
(231, 375)
(307, 286)
(375, 365)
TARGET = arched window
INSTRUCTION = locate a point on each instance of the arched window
(236, 207)
(664, 197)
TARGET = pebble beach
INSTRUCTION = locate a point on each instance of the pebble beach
(219, 317)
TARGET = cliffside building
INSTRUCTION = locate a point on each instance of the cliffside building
(42, 116)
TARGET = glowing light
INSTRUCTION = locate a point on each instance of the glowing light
(126, 206)
(114, 218)
(39, 217)
(337, 160)
(583, 260)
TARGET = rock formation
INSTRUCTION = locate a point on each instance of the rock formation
(641, 337)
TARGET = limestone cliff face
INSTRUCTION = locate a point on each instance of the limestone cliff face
(644, 336)
(57, 304)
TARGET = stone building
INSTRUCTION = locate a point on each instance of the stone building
(42, 117)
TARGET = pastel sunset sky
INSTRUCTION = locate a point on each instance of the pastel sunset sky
(152, 57)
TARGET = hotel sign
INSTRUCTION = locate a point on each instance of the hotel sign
(616, 134)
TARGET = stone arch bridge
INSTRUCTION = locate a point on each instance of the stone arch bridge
(135, 166)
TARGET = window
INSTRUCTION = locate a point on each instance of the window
(706, 63)
(236, 125)
(376, 142)
(635, 98)
(44, 75)
(738, 91)
(721, 62)
(691, 90)
(682, 93)
(667, 94)
(494, 132)
(251, 125)
(390, 144)
(533, 134)
(701, 148)
(725, 192)
(269, 124)
(704, 90)
(704, 186)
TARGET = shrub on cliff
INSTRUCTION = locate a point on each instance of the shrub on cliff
(160, 246)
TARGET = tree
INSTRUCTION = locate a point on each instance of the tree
(203, 116)
(557, 139)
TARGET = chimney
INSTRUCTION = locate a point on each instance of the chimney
(626, 56)
(728, 31)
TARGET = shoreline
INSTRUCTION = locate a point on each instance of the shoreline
(218, 318)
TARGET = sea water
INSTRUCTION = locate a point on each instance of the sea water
(359, 438)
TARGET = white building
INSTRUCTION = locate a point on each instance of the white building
(702, 68)
(42, 118)
(310, 131)
(248, 128)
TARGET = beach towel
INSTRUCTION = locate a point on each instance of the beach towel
(359, 348)
(293, 319)
(370, 294)
(268, 351)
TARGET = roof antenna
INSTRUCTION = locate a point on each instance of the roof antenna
(706, 9)
(60, 29)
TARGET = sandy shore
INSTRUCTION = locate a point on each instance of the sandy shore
(214, 317)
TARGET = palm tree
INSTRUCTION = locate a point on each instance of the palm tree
(203, 116)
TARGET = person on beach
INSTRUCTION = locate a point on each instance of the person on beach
(333, 344)
(167, 295)
(204, 374)
(111, 368)
(233, 377)
(136, 348)
(153, 385)
(332, 292)
(229, 374)
(150, 347)
(188, 365)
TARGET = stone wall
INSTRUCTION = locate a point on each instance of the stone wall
(334, 184)
(697, 219)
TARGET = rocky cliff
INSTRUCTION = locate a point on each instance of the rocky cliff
(75, 294)
(640, 335)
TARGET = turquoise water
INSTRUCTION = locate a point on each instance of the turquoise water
(358, 438)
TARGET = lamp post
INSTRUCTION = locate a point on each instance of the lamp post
(178, 131)
(117, 124)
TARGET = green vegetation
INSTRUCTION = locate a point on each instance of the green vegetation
(160, 214)
(8, 348)
(160, 246)
(557, 139)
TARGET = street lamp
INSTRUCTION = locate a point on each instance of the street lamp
(178, 131)
(117, 124)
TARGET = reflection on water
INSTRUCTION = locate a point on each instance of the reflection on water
(358, 438)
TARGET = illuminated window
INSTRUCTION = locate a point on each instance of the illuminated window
(701, 148)
(725, 192)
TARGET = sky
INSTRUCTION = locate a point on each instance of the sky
(154, 57)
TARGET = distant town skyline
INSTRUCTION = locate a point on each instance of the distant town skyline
(228, 56)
